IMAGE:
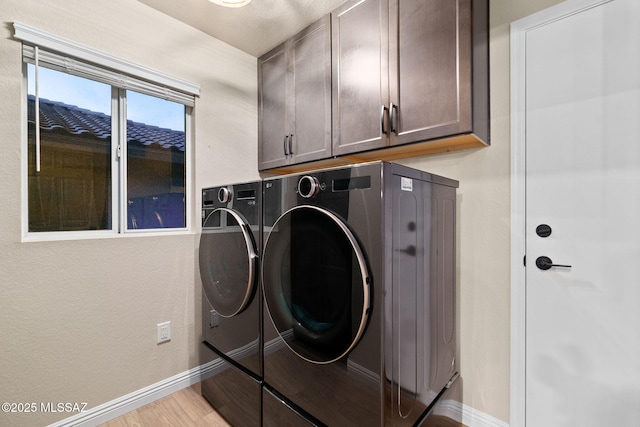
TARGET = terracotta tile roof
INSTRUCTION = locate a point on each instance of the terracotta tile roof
(57, 116)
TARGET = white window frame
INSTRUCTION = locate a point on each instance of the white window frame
(67, 56)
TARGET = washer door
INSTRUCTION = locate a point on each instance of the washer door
(316, 284)
(228, 261)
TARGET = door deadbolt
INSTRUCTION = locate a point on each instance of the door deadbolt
(543, 230)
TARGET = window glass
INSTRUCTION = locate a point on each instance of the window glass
(71, 174)
(155, 162)
(72, 189)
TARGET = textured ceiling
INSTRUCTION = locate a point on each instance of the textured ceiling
(255, 28)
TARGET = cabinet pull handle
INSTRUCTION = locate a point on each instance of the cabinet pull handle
(393, 118)
(382, 110)
(290, 143)
(286, 137)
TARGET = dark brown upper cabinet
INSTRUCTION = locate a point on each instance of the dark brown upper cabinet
(376, 80)
(407, 72)
(294, 99)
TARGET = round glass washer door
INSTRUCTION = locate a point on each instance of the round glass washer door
(316, 284)
(228, 261)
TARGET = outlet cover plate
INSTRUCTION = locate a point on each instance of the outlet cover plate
(164, 332)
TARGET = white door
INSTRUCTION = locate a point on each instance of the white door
(582, 151)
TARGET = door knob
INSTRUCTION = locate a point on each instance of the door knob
(545, 263)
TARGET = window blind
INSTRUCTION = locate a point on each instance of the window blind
(73, 58)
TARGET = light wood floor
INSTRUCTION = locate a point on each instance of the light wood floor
(184, 408)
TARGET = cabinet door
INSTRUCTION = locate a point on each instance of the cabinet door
(360, 75)
(310, 87)
(430, 69)
(272, 104)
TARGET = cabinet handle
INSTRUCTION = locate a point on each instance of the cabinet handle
(393, 118)
(382, 110)
(290, 143)
(286, 137)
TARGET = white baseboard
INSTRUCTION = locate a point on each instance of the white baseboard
(468, 416)
(127, 403)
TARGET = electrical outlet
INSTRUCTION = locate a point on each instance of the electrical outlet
(164, 332)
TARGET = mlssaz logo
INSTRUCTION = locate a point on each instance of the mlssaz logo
(62, 407)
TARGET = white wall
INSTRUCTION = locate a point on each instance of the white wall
(78, 318)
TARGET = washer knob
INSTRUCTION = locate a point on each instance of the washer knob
(225, 195)
(308, 186)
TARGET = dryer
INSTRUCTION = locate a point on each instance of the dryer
(231, 300)
(358, 276)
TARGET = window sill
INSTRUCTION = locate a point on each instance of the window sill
(99, 235)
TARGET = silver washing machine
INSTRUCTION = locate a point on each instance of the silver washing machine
(358, 276)
(232, 301)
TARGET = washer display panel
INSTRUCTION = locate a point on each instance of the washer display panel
(316, 283)
(228, 261)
